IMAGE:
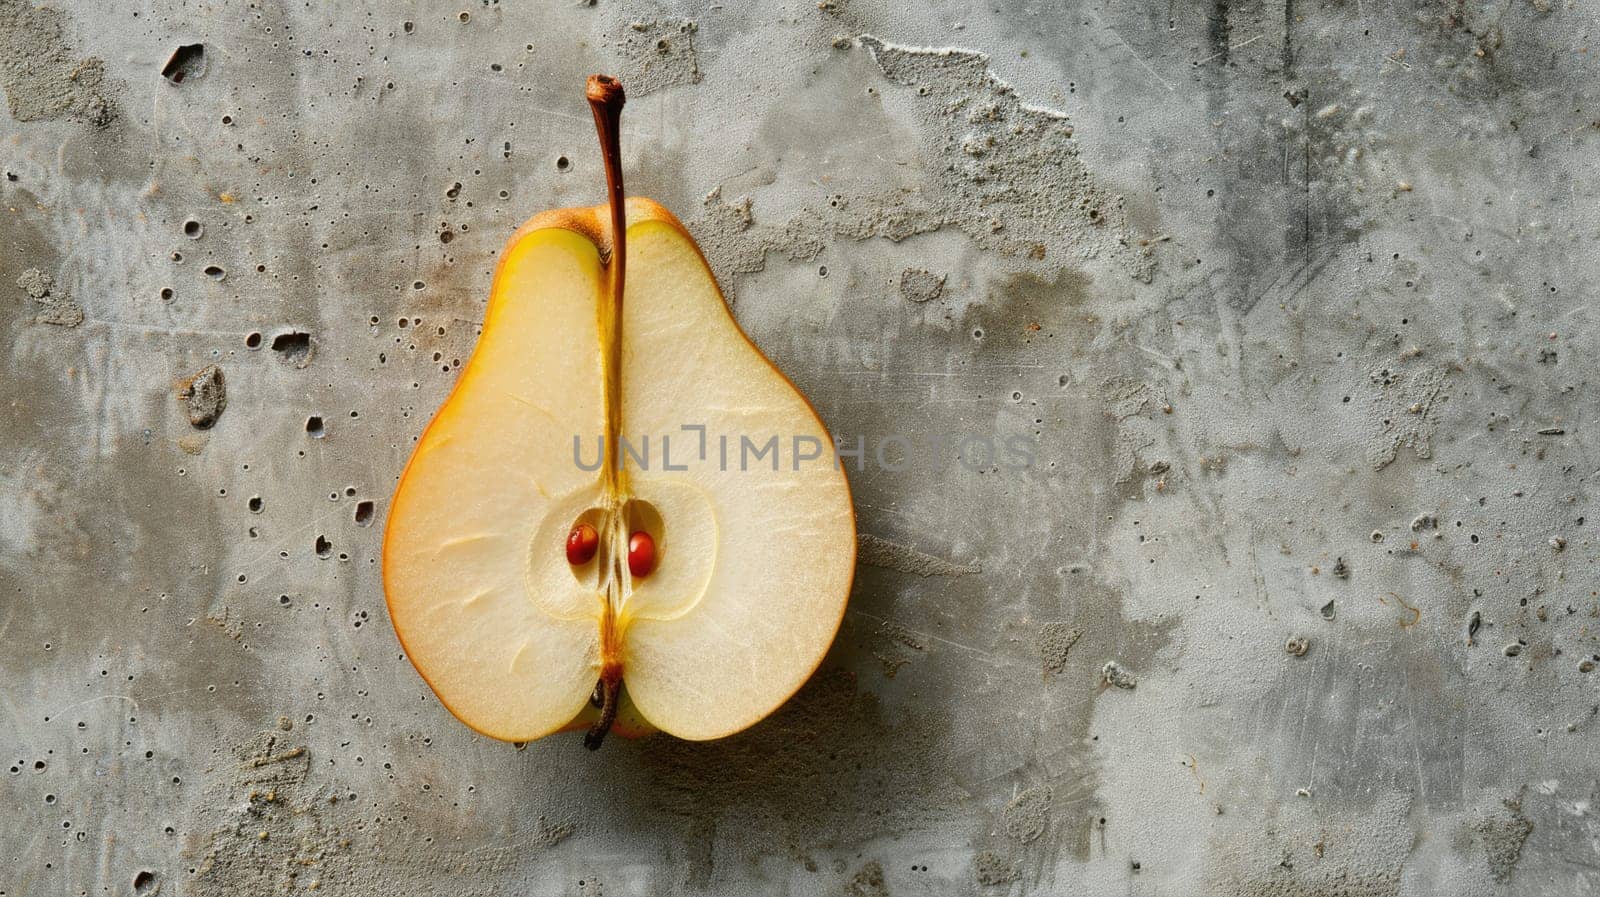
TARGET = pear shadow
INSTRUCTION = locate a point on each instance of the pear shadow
(828, 768)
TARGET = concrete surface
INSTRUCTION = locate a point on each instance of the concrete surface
(1298, 297)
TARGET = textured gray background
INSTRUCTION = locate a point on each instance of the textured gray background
(1296, 295)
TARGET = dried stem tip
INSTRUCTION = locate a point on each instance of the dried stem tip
(604, 90)
(608, 689)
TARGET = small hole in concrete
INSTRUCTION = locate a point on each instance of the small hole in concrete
(188, 61)
(293, 347)
(314, 427)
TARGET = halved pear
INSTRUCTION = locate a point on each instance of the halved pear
(753, 564)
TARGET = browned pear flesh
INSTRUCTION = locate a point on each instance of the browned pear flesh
(537, 590)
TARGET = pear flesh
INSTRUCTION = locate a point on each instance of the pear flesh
(753, 564)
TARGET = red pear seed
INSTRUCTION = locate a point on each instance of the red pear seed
(641, 554)
(582, 543)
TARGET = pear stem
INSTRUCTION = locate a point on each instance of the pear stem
(606, 99)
